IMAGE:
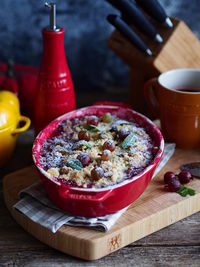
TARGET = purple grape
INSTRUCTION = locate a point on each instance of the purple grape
(154, 150)
(84, 159)
(174, 185)
(185, 177)
(84, 135)
(92, 120)
(132, 171)
(97, 173)
(168, 176)
(123, 133)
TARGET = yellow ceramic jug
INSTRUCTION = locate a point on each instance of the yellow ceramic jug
(10, 121)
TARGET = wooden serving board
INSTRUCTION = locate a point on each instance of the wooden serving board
(154, 210)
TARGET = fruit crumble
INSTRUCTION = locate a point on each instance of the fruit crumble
(97, 151)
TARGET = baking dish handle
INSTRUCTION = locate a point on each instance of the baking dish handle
(111, 103)
(98, 197)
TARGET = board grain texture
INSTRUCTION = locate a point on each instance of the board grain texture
(154, 210)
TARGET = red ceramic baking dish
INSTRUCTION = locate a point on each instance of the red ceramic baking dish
(92, 202)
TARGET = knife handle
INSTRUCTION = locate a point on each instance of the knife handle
(154, 9)
(136, 17)
(128, 33)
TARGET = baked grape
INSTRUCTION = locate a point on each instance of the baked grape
(84, 135)
(123, 133)
(97, 173)
(106, 155)
(107, 117)
(110, 145)
(92, 120)
(84, 159)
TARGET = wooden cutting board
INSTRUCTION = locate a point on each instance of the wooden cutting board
(154, 210)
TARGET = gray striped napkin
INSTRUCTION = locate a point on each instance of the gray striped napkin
(35, 204)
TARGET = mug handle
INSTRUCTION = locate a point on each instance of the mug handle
(150, 96)
(23, 128)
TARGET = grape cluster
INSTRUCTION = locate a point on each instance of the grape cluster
(174, 181)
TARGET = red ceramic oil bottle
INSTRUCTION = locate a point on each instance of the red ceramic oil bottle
(55, 92)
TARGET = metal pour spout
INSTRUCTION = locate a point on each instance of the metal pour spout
(52, 18)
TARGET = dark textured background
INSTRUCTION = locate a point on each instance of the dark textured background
(92, 64)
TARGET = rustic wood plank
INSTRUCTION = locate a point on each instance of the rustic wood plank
(138, 256)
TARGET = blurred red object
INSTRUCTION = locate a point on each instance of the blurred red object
(21, 80)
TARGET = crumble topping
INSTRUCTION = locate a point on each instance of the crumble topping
(96, 151)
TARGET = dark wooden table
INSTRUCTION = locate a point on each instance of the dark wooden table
(176, 245)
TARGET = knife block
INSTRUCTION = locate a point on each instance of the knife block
(180, 49)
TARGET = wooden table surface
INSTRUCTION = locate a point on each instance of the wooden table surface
(176, 245)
